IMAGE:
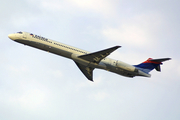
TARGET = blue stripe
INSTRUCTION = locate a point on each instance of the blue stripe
(146, 67)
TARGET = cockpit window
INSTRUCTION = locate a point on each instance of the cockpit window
(19, 32)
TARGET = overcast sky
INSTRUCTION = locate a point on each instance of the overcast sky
(36, 85)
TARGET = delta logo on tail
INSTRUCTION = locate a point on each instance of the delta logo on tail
(151, 64)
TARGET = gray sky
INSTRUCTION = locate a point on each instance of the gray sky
(36, 85)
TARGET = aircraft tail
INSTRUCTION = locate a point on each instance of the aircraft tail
(151, 64)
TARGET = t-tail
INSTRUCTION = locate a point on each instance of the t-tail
(151, 64)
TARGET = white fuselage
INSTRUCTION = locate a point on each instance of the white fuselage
(73, 53)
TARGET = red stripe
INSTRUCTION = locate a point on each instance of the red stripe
(148, 61)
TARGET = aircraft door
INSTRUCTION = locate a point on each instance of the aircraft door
(114, 63)
(24, 35)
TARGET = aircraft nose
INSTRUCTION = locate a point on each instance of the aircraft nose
(11, 36)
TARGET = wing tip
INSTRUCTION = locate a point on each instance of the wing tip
(91, 80)
(118, 46)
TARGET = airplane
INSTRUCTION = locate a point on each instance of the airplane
(88, 61)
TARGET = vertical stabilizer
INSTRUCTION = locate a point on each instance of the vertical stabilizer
(151, 64)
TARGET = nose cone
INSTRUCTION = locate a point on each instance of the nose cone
(11, 36)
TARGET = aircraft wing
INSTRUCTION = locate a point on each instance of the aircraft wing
(96, 57)
(87, 71)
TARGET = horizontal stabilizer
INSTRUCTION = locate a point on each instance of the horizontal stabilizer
(158, 68)
(96, 57)
(160, 60)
